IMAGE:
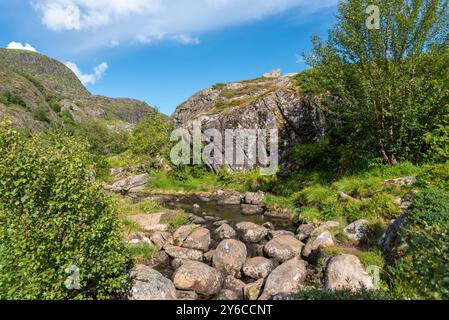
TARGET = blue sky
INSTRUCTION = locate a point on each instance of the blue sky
(163, 51)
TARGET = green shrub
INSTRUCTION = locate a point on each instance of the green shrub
(422, 269)
(371, 258)
(9, 99)
(40, 114)
(56, 107)
(54, 217)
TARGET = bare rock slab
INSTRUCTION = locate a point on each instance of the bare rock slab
(150, 284)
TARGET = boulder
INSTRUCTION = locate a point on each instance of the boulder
(285, 279)
(304, 231)
(198, 277)
(225, 232)
(228, 198)
(272, 74)
(177, 262)
(391, 238)
(251, 232)
(149, 284)
(325, 226)
(183, 253)
(251, 210)
(258, 267)
(283, 248)
(182, 233)
(129, 184)
(356, 231)
(186, 295)
(208, 256)
(196, 219)
(227, 295)
(230, 257)
(212, 219)
(405, 181)
(161, 239)
(199, 239)
(160, 260)
(276, 233)
(346, 272)
(278, 214)
(324, 240)
(220, 223)
(255, 198)
(255, 249)
(204, 196)
(234, 285)
(253, 290)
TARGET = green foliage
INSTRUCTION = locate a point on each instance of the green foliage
(388, 87)
(177, 221)
(422, 268)
(434, 176)
(372, 258)
(55, 106)
(41, 114)
(151, 136)
(142, 253)
(54, 217)
(9, 99)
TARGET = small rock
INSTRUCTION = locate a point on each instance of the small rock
(204, 196)
(183, 253)
(230, 257)
(272, 74)
(161, 239)
(285, 279)
(196, 206)
(258, 267)
(199, 239)
(276, 233)
(255, 198)
(212, 219)
(234, 285)
(326, 226)
(324, 240)
(220, 223)
(356, 231)
(251, 232)
(283, 248)
(346, 271)
(196, 220)
(225, 232)
(129, 184)
(345, 197)
(251, 210)
(229, 198)
(406, 181)
(198, 277)
(304, 231)
(149, 284)
(253, 290)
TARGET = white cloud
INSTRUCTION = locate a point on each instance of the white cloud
(18, 45)
(146, 21)
(90, 78)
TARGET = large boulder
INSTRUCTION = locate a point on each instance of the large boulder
(251, 232)
(258, 267)
(130, 184)
(198, 277)
(276, 233)
(252, 209)
(255, 198)
(228, 197)
(324, 240)
(285, 279)
(283, 248)
(225, 231)
(183, 253)
(346, 272)
(199, 239)
(356, 231)
(230, 257)
(149, 284)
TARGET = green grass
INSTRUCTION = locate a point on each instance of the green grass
(126, 207)
(177, 221)
(142, 253)
(130, 226)
(372, 258)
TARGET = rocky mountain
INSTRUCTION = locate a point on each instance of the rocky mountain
(36, 91)
(269, 102)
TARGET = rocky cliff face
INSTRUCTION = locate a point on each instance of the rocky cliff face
(269, 102)
(36, 91)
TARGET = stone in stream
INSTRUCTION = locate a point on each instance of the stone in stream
(183, 253)
(324, 240)
(229, 257)
(199, 239)
(285, 279)
(204, 196)
(234, 285)
(278, 214)
(228, 198)
(283, 248)
(182, 233)
(225, 232)
(251, 210)
(251, 232)
(258, 267)
(346, 271)
(357, 230)
(253, 290)
(196, 220)
(212, 219)
(255, 198)
(198, 277)
(149, 284)
(220, 223)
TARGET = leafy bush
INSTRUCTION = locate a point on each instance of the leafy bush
(422, 268)
(9, 99)
(40, 114)
(54, 217)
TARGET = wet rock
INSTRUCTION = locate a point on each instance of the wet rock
(196, 220)
(149, 284)
(283, 248)
(198, 277)
(251, 232)
(183, 253)
(346, 271)
(225, 232)
(285, 279)
(230, 257)
(234, 285)
(356, 231)
(253, 290)
(182, 233)
(324, 240)
(255, 198)
(251, 210)
(258, 267)
(199, 239)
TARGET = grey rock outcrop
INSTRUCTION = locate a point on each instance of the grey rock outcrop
(346, 271)
(198, 277)
(149, 284)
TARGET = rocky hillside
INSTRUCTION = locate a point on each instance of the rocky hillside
(36, 91)
(268, 102)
